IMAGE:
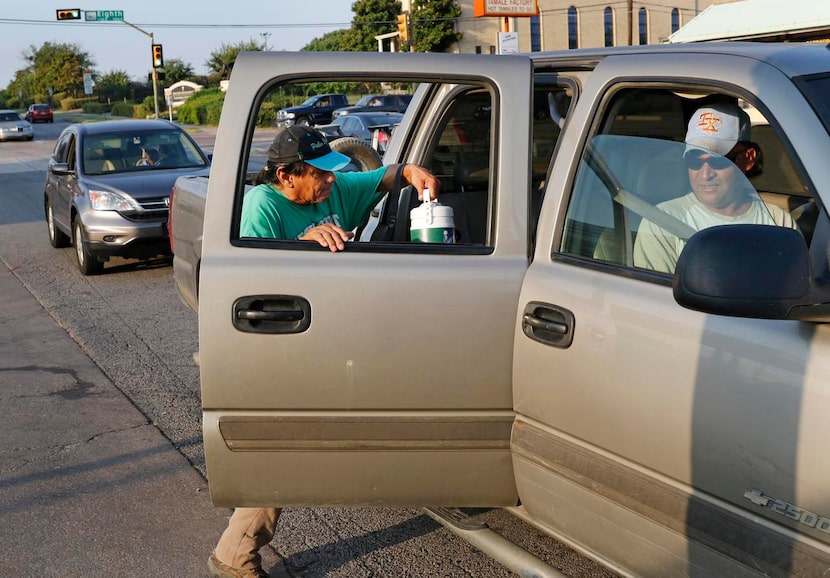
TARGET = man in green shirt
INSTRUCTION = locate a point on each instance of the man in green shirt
(302, 196)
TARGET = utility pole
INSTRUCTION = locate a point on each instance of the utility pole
(155, 74)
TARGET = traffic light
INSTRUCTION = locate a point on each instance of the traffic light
(158, 59)
(69, 14)
(403, 27)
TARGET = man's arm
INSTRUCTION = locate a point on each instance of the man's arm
(654, 248)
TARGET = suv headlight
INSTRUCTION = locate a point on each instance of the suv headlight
(109, 201)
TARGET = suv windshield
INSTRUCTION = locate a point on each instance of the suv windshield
(817, 90)
(118, 152)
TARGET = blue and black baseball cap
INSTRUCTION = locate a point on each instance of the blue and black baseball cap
(301, 143)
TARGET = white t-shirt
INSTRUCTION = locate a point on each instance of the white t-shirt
(658, 249)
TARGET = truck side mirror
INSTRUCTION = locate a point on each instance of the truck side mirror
(756, 271)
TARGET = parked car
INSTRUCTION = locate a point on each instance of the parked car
(102, 197)
(15, 127)
(361, 125)
(375, 103)
(316, 109)
(40, 113)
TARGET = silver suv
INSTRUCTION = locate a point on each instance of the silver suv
(108, 188)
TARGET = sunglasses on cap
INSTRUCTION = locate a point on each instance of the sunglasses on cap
(694, 160)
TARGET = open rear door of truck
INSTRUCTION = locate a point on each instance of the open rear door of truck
(380, 375)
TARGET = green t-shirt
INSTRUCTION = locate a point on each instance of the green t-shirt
(267, 213)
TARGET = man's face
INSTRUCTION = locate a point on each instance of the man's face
(716, 180)
(313, 186)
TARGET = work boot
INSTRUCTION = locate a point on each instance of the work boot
(218, 568)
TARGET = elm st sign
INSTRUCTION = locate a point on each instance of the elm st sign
(103, 15)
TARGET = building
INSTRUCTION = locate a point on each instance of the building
(563, 24)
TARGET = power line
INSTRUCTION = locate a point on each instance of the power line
(147, 25)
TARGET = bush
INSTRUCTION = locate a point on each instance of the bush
(150, 105)
(75, 103)
(267, 115)
(203, 107)
(141, 110)
(95, 107)
(122, 109)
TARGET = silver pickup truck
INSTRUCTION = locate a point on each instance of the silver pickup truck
(662, 423)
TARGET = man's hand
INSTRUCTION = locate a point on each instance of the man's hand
(421, 179)
(328, 235)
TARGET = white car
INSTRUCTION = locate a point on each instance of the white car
(15, 127)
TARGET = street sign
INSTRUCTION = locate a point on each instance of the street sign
(87, 82)
(103, 15)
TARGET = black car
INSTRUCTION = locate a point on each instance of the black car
(376, 103)
(108, 188)
(362, 125)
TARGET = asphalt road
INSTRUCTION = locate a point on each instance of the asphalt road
(130, 322)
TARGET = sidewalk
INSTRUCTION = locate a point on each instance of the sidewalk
(87, 486)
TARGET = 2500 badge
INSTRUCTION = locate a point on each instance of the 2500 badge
(788, 510)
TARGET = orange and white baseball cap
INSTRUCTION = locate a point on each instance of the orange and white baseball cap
(717, 128)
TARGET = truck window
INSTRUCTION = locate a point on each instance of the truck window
(553, 97)
(457, 148)
(460, 155)
(633, 203)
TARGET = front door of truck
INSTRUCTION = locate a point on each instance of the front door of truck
(381, 374)
(669, 440)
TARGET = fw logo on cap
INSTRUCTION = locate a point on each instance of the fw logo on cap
(708, 122)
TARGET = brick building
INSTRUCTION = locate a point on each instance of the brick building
(563, 24)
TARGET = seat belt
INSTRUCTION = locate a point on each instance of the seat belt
(385, 231)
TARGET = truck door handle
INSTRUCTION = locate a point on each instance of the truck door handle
(255, 315)
(279, 314)
(548, 324)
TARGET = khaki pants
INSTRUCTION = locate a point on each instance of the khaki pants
(249, 529)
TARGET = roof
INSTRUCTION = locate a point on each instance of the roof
(125, 125)
(758, 19)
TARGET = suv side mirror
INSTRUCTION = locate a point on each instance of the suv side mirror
(60, 169)
(757, 271)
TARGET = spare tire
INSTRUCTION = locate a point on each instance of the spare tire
(363, 157)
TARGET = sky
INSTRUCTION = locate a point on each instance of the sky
(187, 30)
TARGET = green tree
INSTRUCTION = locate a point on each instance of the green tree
(58, 66)
(335, 41)
(221, 60)
(113, 86)
(371, 18)
(433, 25)
(176, 70)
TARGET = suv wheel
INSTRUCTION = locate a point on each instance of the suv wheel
(88, 264)
(303, 121)
(57, 238)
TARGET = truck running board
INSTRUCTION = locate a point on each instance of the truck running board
(493, 544)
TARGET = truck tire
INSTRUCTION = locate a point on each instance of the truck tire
(303, 121)
(363, 157)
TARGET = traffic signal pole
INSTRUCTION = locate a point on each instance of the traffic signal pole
(155, 73)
